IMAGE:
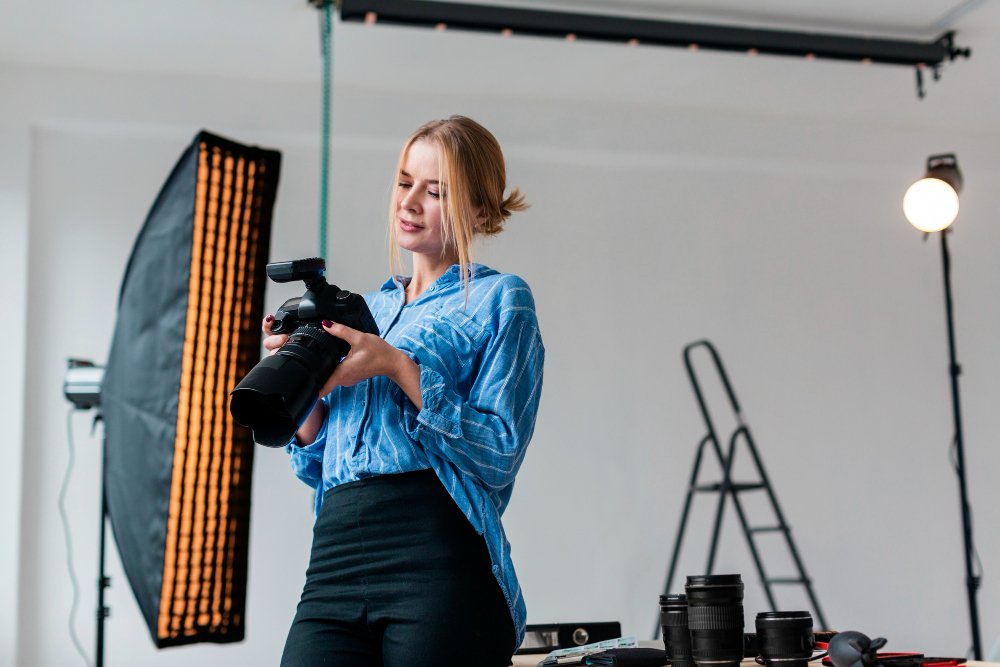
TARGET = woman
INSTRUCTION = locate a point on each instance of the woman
(414, 446)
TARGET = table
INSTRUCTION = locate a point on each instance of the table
(533, 659)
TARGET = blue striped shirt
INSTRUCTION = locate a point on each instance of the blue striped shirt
(480, 380)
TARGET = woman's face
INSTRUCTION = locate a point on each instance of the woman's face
(419, 198)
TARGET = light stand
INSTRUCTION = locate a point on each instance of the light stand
(103, 580)
(82, 388)
(931, 205)
(971, 579)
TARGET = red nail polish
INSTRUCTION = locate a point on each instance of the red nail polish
(327, 323)
(269, 318)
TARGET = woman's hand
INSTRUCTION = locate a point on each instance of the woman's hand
(272, 341)
(310, 427)
(370, 355)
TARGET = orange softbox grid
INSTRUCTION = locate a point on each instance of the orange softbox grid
(177, 467)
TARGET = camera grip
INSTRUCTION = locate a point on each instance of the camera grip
(353, 312)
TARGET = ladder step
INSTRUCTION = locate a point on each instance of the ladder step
(787, 580)
(768, 529)
(735, 486)
(708, 487)
(746, 486)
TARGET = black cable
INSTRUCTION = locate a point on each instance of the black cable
(69, 543)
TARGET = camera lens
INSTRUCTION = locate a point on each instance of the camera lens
(785, 638)
(715, 619)
(278, 394)
(676, 636)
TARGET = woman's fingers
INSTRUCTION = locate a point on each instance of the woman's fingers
(370, 355)
(272, 342)
(351, 336)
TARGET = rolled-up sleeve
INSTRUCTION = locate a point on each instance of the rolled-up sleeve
(486, 433)
(307, 458)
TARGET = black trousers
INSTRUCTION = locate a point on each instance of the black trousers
(397, 577)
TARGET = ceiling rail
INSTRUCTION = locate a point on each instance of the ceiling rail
(507, 21)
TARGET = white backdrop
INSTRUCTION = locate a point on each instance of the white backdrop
(745, 202)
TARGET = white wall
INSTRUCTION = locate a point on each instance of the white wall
(13, 257)
(717, 204)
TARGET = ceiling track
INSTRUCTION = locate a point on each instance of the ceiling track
(507, 21)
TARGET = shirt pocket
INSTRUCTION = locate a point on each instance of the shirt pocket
(462, 333)
(451, 343)
(467, 340)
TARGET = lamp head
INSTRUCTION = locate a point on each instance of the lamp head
(931, 204)
(944, 167)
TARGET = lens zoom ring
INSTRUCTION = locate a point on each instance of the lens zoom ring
(675, 618)
(311, 332)
(715, 618)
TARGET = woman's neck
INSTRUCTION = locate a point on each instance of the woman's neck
(425, 271)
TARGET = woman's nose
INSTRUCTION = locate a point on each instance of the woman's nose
(408, 200)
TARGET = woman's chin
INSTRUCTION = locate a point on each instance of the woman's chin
(418, 249)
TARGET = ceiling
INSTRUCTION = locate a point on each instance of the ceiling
(277, 39)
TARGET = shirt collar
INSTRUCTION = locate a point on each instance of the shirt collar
(449, 277)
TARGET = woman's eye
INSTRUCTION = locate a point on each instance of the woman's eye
(405, 185)
(433, 194)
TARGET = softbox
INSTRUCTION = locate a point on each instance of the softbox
(177, 468)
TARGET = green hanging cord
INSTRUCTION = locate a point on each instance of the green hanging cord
(324, 175)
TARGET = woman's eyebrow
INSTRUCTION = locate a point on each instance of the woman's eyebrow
(402, 172)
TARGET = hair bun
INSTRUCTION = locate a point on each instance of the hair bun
(513, 202)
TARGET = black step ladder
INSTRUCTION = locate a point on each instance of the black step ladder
(727, 487)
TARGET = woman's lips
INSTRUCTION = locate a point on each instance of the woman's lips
(408, 226)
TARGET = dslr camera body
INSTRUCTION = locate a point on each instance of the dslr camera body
(279, 392)
(321, 301)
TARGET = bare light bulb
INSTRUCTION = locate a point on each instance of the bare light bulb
(930, 205)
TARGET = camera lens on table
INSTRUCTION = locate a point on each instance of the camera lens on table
(715, 619)
(785, 638)
(676, 636)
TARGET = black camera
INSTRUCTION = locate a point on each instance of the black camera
(279, 392)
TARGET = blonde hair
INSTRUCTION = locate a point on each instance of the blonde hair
(473, 177)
